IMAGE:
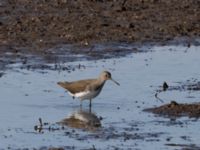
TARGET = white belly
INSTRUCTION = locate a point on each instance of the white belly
(85, 95)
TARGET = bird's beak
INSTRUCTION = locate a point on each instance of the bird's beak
(114, 81)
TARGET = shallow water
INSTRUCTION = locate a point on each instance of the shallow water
(28, 95)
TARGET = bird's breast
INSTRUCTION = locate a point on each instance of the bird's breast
(85, 94)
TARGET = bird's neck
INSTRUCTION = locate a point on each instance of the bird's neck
(101, 80)
(99, 84)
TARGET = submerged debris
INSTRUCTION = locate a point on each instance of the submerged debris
(1, 74)
(194, 86)
(175, 109)
(184, 146)
(190, 84)
(45, 126)
(165, 86)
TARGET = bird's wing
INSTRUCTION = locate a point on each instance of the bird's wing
(76, 86)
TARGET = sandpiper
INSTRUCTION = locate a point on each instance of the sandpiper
(87, 89)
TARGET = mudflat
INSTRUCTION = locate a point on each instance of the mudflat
(42, 24)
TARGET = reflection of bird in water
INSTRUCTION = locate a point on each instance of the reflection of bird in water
(82, 119)
(89, 88)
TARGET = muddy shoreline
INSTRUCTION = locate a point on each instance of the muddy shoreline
(44, 35)
(63, 31)
(38, 25)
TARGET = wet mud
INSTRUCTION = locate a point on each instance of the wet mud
(34, 27)
(56, 58)
(37, 32)
(175, 109)
(38, 24)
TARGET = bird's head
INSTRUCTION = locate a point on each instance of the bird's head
(105, 75)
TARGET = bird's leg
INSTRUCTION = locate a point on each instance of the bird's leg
(90, 109)
(81, 104)
(90, 103)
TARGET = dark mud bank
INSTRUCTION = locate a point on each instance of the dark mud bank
(43, 24)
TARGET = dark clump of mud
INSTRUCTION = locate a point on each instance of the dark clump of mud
(175, 109)
(39, 24)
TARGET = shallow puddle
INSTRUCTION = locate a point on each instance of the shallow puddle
(29, 95)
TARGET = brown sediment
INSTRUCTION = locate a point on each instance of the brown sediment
(175, 109)
(35, 31)
(42, 24)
